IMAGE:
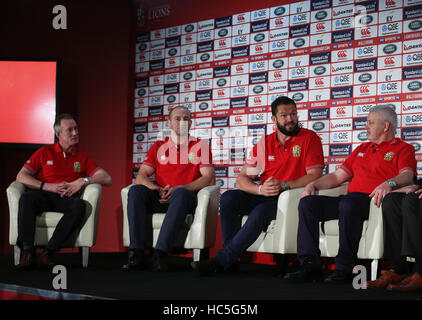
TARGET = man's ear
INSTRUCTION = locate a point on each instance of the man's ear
(387, 126)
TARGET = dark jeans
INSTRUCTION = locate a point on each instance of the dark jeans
(34, 202)
(402, 216)
(351, 210)
(236, 238)
(142, 202)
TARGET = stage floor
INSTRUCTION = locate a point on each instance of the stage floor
(103, 279)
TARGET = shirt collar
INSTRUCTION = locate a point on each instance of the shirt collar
(289, 138)
(185, 143)
(384, 143)
(58, 149)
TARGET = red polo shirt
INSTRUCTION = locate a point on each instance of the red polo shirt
(175, 165)
(370, 164)
(289, 161)
(51, 164)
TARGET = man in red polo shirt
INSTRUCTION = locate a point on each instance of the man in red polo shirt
(373, 169)
(182, 165)
(291, 157)
(55, 174)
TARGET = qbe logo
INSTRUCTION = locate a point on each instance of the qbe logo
(412, 120)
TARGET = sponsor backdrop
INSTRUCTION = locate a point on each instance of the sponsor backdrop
(335, 58)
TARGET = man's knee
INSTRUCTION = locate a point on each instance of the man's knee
(307, 204)
(28, 198)
(390, 199)
(137, 191)
(228, 200)
(183, 194)
(78, 208)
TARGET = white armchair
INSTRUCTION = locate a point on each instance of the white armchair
(201, 227)
(47, 221)
(281, 234)
(371, 245)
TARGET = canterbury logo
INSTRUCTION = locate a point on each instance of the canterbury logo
(389, 60)
(320, 26)
(365, 32)
(364, 89)
(342, 54)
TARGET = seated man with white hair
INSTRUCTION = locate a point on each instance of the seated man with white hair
(373, 170)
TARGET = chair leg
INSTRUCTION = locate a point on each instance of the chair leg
(374, 269)
(196, 254)
(85, 256)
(201, 254)
(17, 255)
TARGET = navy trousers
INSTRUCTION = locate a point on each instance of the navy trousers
(142, 202)
(34, 202)
(351, 210)
(236, 238)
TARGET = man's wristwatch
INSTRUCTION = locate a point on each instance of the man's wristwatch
(392, 183)
(286, 185)
(86, 180)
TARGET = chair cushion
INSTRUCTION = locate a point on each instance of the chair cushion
(48, 219)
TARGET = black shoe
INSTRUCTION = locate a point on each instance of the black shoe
(26, 261)
(205, 267)
(159, 261)
(136, 260)
(307, 273)
(338, 276)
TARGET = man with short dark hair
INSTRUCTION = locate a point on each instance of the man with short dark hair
(182, 166)
(291, 157)
(373, 169)
(54, 175)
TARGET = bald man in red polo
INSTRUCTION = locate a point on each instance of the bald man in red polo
(373, 169)
(182, 166)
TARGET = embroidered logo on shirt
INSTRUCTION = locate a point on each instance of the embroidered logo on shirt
(361, 154)
(388, 156)
(49, 162)
(271, 158)
(296, 151)
(77, 166)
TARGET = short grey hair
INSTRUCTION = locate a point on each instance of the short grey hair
(180, 107)
(58, 121)
(387, 113)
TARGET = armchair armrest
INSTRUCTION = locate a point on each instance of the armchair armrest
(287, 219)
(14, 192)
(124, 192)
(88, 233)
(205, 218)
(375, 242)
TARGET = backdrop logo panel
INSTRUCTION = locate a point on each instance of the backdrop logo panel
(335, 58)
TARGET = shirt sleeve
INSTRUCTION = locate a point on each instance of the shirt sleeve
(34, 162)
(314, 155)
(91, 167)
(256, 157)
(348, 164)
(406, 159)
(151, 158)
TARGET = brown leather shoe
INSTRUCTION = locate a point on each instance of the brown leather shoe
(412, 283)
(388, 277)
(46, 260)
(26, 261)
